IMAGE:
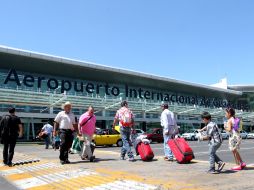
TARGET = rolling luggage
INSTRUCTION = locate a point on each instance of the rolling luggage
(145, 151)
(181, 150)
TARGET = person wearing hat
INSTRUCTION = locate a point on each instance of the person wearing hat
(11, 129)
(168, 122)
(65, 121)
(214, 137)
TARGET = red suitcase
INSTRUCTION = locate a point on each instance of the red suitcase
(145, 151)
(181, 150)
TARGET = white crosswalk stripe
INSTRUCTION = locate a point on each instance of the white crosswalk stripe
(123, 185)
(51, 178)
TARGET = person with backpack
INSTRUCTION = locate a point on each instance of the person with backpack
(233, 127)
(170, 129)
(87, 129)
(11, 129)
(126, 122)
(214, 137)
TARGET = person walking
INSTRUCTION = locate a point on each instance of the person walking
(87, 128)
(213, 135)
(168, 122)
(65, 121)
(11, 129)
(234, 138)
(126, 122)
(47, 129)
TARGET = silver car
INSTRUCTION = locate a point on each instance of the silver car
(225, 134)
(250, 135)
(244, 134)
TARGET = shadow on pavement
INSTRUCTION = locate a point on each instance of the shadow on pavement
(249, 168)
(95, 161)
(228, 172)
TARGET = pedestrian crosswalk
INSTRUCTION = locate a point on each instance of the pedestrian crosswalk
(51, 175)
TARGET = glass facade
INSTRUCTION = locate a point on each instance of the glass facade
(38, 97)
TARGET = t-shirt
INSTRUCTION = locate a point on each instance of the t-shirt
(120, 114)
(65, 120)
(12, 122)
(48, 128)
(56, 138)
(89, 127)
(213, 133)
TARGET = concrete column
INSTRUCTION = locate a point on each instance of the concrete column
(33, 132)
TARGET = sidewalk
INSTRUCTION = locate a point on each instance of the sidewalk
(108, 172)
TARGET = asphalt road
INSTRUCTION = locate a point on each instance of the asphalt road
(108, 161)
(201, 150)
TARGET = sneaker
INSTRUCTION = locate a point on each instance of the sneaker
(243, 165)
(166, 158)
(122, 157)
(10, 164)
(92, 158)
(171, 159)
(212, 171)
(221, 166)
(67, 161)
(131, 159)
(62, 162)
(237, 168)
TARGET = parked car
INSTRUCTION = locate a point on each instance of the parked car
(244, 134)
(225, 134)
(250, 135)
(190, 135)
(139, 131)
(107, 137)
(155, 135)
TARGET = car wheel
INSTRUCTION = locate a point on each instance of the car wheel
(193, 138)
(119, 143)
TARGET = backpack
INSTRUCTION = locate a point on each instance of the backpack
(236, 126)
(127, 118)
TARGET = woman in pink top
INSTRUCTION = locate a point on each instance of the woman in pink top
(87, 128)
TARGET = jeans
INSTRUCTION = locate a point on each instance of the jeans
(87, 146)
(8, 151)
(167, 151)
(213, 158)
(47, 141)
(125, 134)
(65, 144)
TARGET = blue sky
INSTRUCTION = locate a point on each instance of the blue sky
(200, 41)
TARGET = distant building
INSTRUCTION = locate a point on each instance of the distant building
(38, 84)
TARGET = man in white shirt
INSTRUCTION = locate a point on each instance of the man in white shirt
(47, 129)
(65, 121)
(168, 122)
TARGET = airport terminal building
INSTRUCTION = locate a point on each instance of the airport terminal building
(38, 84)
